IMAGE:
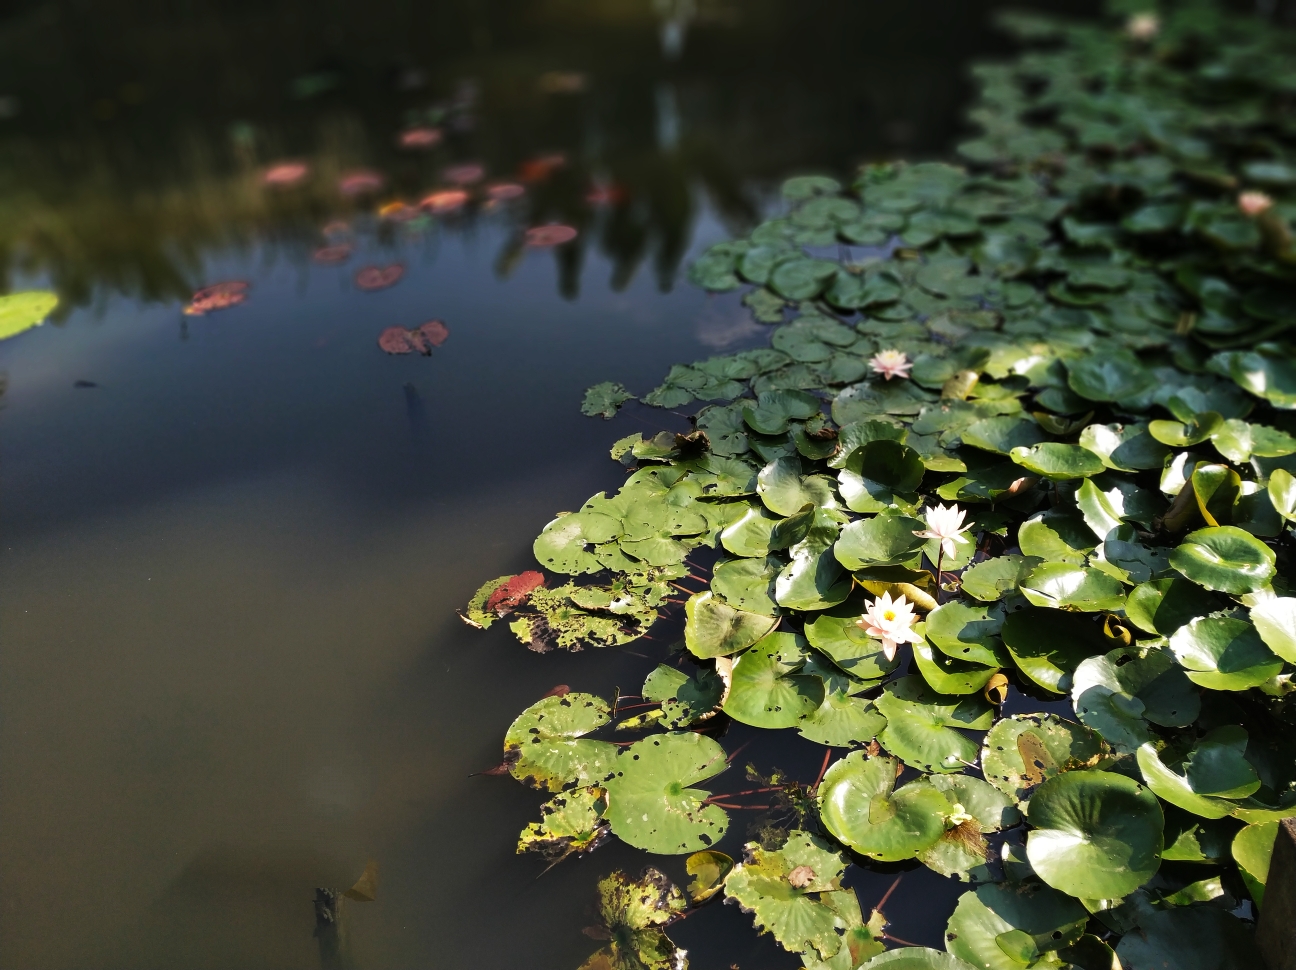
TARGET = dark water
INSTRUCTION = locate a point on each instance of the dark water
(231, 667)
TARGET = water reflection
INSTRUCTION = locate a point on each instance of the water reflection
(235, 539)
(139, 139)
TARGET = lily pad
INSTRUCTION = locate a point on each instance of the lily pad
(968, 633)
(604, 400)
(1275, 621)
(1253, 850)
(1025, 750)
(1162, 606)
(748, 584)
(916, 958)
(571, 823)
(836, 633)
(886, 539)
(544, 747)
(1110, 376)
(842, 721)
(1066, 586)
(1094, 834)
(709, 870)
(1224, 653)
(651, 804)
(1047, 645)
(859, 805)
(713, 628)
(994, 925)
(1119, 694)
(785, 491)
(22, 311)
(564, 545)
(1057, 461)
(1194, 938)
(766, 689)
(1124, 447)
(992, 579)
(633, 913)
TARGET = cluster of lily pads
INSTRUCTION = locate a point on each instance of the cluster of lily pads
(1031, 416)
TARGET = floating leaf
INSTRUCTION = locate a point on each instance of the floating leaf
(765, 687)
(713, 628)
(1028, 921)
(1057, 461)
(1119, 694)
(1094, 834)
(1252, 850)
(748, 584)
(22, 311)
(1064, 585)
(551, 235)
(1195, 938)
(837, 633)
(1025, 750)
(632, 913)
(709, 870)
(1047, 645)
(420, 339)
(604, 400)
(1275, 621)
(571, 823)
(1126, 448)
(371, 278)
(651, 804)
(544, 747)
(785, 491)
(859, 805)
(916, 958)
(842, 721)
(990, 580)
(1223, 653)
(886, 539)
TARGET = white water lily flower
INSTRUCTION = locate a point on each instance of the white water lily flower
(945, 524)
(891, 621)
(890, 363)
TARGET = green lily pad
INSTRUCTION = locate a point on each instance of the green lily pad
(684, 700)
(604, 400)
(1094, 834)
(713, 628)
(20, 312)
(800, 278)
(1066, 586)
(916, 958)
(978, 808)
(859, 805)
(1110, 376)
(1162, 606)
(774, 411)
(880, 474)
(1223, 653)
(749, 534)
(1124, 447)
(813, 580)
(1282, 492)
(564, 544)
(1047, 645)
(921, 726)
(1176, 788)
(544, 747)
(1025, 750)
(1119, 694)
(650, 802)
(842, 721)
(785, 491)
(748, 584)
(1272, 378)
(886, 539)
(766, 689)
(1057, 461)
(946, 675)
(1004, 433)
(1275, 621)
(968, 633)
(988, 921)
(1252, 850)
(992, 579)
(1193, 938)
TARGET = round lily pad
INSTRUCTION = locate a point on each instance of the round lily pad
(564, 544)
(1226, 559)
(1124, 447)
(947, 675)
(967, 632)
(1162, 606)
(713, 628)
(995, 926)
(1025, 750)
(765, 689)
(1224, 653)
(1057, 461)
(842, 721)
(1110, 376)
(748, 584)
(1047, 645)
(650, 802)
(859, 805)
(1176, 789)
(1191, 938)
(1064, 585)
(544, 747)
(785, 491)
(1094, 834)
(1119, 694)
(886, 539)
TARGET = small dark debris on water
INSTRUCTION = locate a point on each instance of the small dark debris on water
(400, 340)
(83, 384)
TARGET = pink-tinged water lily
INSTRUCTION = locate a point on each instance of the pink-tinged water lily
(891, 621)
(1143, 26)
(890, 363)
(1254, 203)
(945, 524)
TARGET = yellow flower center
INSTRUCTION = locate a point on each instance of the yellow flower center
(889, 615)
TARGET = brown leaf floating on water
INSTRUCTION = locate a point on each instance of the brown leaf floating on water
(400, 340)
(366, 887)
(218, 296)
(379, 277)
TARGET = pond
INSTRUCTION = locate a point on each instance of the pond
(235, 542)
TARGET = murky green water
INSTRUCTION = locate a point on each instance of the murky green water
(231, 667)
